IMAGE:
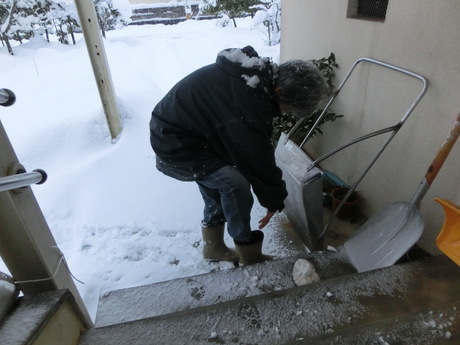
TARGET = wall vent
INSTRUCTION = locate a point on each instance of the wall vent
(367, 9)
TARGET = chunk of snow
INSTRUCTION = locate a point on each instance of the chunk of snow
(251, 81)
(331, 249)
(304, 273)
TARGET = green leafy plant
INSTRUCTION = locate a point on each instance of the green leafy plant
(284, 123)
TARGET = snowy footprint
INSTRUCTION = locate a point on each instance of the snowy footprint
(249, 313)
(197, 291)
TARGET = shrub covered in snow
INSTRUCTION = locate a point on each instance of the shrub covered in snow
(22, 19)
(268, 19)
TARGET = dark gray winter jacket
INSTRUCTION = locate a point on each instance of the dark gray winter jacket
(221, 115)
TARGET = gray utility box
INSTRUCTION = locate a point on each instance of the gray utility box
(304, 204)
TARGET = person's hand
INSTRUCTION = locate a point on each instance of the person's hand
(265, 220)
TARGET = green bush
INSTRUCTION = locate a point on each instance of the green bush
(284, 123)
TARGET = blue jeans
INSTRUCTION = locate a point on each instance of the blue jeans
(227, 197)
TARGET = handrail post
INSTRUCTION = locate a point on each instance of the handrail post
(27, 245)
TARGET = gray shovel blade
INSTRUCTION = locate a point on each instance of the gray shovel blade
(385, 237)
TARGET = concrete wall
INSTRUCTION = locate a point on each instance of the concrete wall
(419, 35)
(148, 2)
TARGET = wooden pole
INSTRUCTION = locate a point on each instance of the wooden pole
(98, 58)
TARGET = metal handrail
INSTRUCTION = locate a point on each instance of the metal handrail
(38, 176)
(392, 129)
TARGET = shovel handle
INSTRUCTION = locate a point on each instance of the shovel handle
(443, 152)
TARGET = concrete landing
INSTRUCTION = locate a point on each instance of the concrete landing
(299, 313)
(202, 290)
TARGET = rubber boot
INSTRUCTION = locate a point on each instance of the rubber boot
(214, 248)
(250, 252)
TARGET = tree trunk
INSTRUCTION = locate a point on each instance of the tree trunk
(8, 45)
(18, 37)
(6, 28)
(70, 30)
(234, 22)
(269, 35)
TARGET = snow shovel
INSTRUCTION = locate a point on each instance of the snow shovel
(390, 233)
(449, 238)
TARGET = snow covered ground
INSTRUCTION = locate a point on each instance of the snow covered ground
(119, 222)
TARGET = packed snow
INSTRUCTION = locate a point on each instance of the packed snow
(118, 221)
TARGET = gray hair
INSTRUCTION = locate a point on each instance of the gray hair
(301, 86)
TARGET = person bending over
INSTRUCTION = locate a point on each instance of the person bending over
(214, 126)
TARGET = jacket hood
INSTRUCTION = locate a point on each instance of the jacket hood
(258, 72)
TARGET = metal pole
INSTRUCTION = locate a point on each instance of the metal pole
(98, 58)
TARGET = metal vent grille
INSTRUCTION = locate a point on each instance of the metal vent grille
(373, 8)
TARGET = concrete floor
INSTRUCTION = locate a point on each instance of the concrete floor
(340, 229)
(337, 233)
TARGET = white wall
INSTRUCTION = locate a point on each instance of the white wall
(419, 35)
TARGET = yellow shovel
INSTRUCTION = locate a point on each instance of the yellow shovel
(449, 238)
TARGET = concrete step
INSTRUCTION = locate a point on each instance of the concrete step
(207, 289)
(50, 318)
(303, 312)
(434, 326)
